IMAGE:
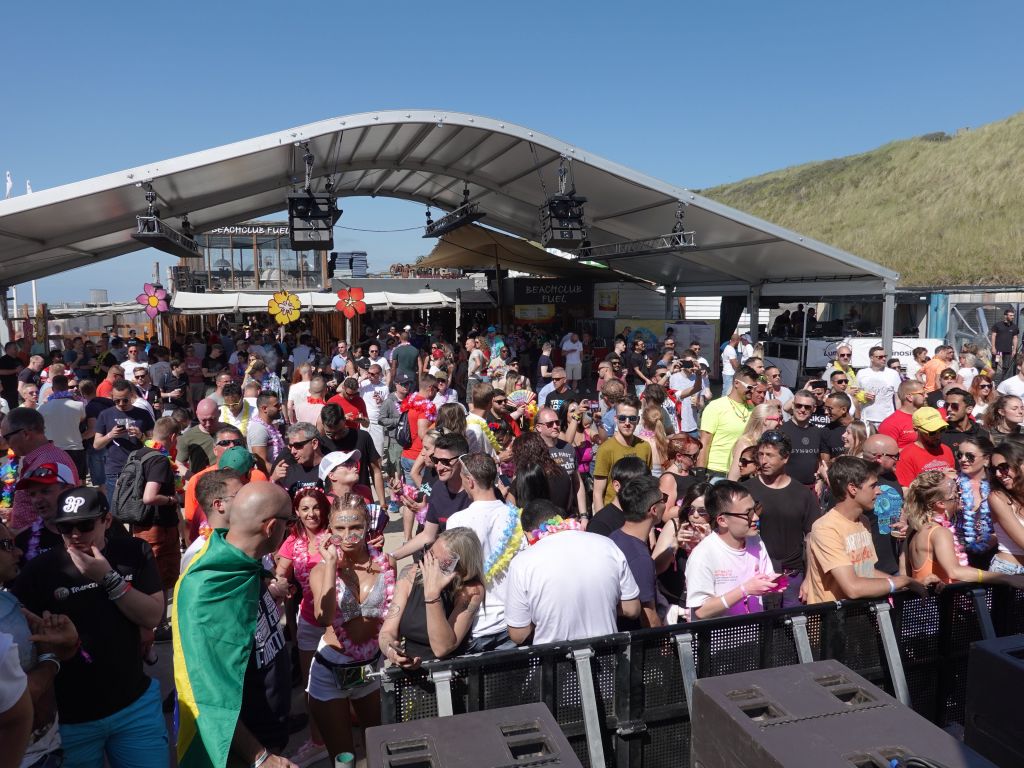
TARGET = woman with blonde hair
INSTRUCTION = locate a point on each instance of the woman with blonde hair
(934, 553)
(853, 437)
(652, 431)
(764, 417)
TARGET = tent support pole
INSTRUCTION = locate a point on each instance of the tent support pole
(754, 308)
(888, 315)
(458, 315)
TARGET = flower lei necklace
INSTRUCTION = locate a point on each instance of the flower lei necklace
(301, 551)
(380, 564)
(508, 547)
(179, 484)
(552, 526)
(486, 429)
(958, 547)
(975, 525)
(9, 476)
(274, 435)
(65, 395)
(416, 400)
(316, 401)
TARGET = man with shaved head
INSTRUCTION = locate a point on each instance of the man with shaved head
(886, 519)
(228, 643)
(195, 446)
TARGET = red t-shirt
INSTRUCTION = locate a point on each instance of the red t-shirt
(418, 408)
(353, 409)
(900, 427)
(914, 460)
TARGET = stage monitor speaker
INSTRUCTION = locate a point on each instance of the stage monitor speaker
(994, 726)
(526, 735)
(818, 715)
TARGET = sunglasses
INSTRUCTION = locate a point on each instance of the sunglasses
(846, 356)
(301, 444)
(502, 401)
(622, 419)
(552, 423)
(893, 456)
(802, 407)
(445, 462)
(966, 456)
(1002, 469)
(122, 400)
(747, 462)
(692, 510)
(231, 441)
(82, 526)
(12, 433)
(984, 386)
(749, 517)
(841, 381)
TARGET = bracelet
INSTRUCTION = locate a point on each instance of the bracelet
(261, 758)
(981, 575)
(126, 587)
(431, 602)
(746, 595)
(725, 602)
(892, 585)
(51, 657)
(111, 579)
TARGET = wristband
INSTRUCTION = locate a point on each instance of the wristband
(111, 579)
(51, 657)
(429, 602)
(261, 758)
(892, 585)
(116, 595)
(725, 602)
(743, 589)
(981, 575)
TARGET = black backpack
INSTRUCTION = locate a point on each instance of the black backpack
(404, 433)
(127, 506)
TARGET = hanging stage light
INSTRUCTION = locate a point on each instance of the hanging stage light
(465, 214)
(312, 215)
(561, 216)
(155, 233)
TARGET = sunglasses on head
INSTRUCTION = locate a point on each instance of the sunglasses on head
(82, 526)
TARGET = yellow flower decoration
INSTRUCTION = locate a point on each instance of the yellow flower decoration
(284, 307)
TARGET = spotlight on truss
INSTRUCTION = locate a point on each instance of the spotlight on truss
(561, 219)
(465, 214)
(312, 215)
(153, 232)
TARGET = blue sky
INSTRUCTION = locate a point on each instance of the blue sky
(694, 93)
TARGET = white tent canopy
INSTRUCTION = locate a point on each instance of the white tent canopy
(428, 156)
(224, 303)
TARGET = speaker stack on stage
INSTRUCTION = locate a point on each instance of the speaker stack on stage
(994, 723)
(526, 735)
(818, 715)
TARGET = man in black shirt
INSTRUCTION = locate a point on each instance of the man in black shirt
(305, 454)
(819, 389)
(162, 531)
(174, 385)
(838, 407)
(788, 509)
(10, 367)
(1004, 339)
(121, 430)
(637, 366)
(147, 391)
(808, 449)
(338, 436)
(959, 403)
(110, 589)
(610, 517)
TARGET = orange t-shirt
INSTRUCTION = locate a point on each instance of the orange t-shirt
(932, 369)
(191, 505)
(836, 541)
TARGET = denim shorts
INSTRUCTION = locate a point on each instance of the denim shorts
(1005, 566)
(133, 737)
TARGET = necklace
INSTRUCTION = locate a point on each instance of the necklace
(274, 435)
(508, 547)
(485, 428)
(740, 410)
(368, 650)
(974, 527)
(9, 476)
(552, 526)
(958, 548)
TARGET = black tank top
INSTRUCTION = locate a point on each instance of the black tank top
(412, 627)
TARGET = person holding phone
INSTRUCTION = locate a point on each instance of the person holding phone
(352, 588)
(121, 429)
(436, 602)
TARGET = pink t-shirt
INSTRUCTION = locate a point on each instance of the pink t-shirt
(303, 557)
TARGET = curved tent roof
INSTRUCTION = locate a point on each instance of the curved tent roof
(427, 156)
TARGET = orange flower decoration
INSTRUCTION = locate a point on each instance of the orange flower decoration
(350, 302)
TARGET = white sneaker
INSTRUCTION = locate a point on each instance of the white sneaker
(309, 753)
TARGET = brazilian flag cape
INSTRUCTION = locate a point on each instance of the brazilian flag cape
(213, 624)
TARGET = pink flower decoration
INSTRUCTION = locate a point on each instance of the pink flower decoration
(153, 299)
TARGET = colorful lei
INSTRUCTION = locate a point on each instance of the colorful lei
(975, 525)
(486, 429)
(416, 400)
(958, 547)
(552, 526)
(179, 484)
(507, 548)
(274, 436)
(9, 477)
(368, 650)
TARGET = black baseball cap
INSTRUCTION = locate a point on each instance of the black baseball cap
(405, 379)
(84, 503)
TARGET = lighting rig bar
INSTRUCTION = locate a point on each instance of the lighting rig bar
(155, 233)
(465, 214)
(652, 246)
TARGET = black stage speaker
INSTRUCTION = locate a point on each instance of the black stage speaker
(526, 735)
(994, 725)
(819, 715)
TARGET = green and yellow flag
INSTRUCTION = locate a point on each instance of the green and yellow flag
(213, 624)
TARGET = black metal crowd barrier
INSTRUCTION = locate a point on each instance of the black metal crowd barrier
(622, 700)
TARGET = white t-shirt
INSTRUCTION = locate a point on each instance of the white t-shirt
(489, 520)
(572, 352)
(714, 568)
(883, 384)
(746, 352)
(367, 390)
(729, 353)
(568, 586)
(13, 681)
(783, 396)
(257, 436)
(680, 381)
(385, 366)
(1012, 386)
(192, 551)
(129, 369)
(63, 418)
(966, 377)
(298, 392)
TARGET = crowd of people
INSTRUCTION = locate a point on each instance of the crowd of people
(229, 493)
